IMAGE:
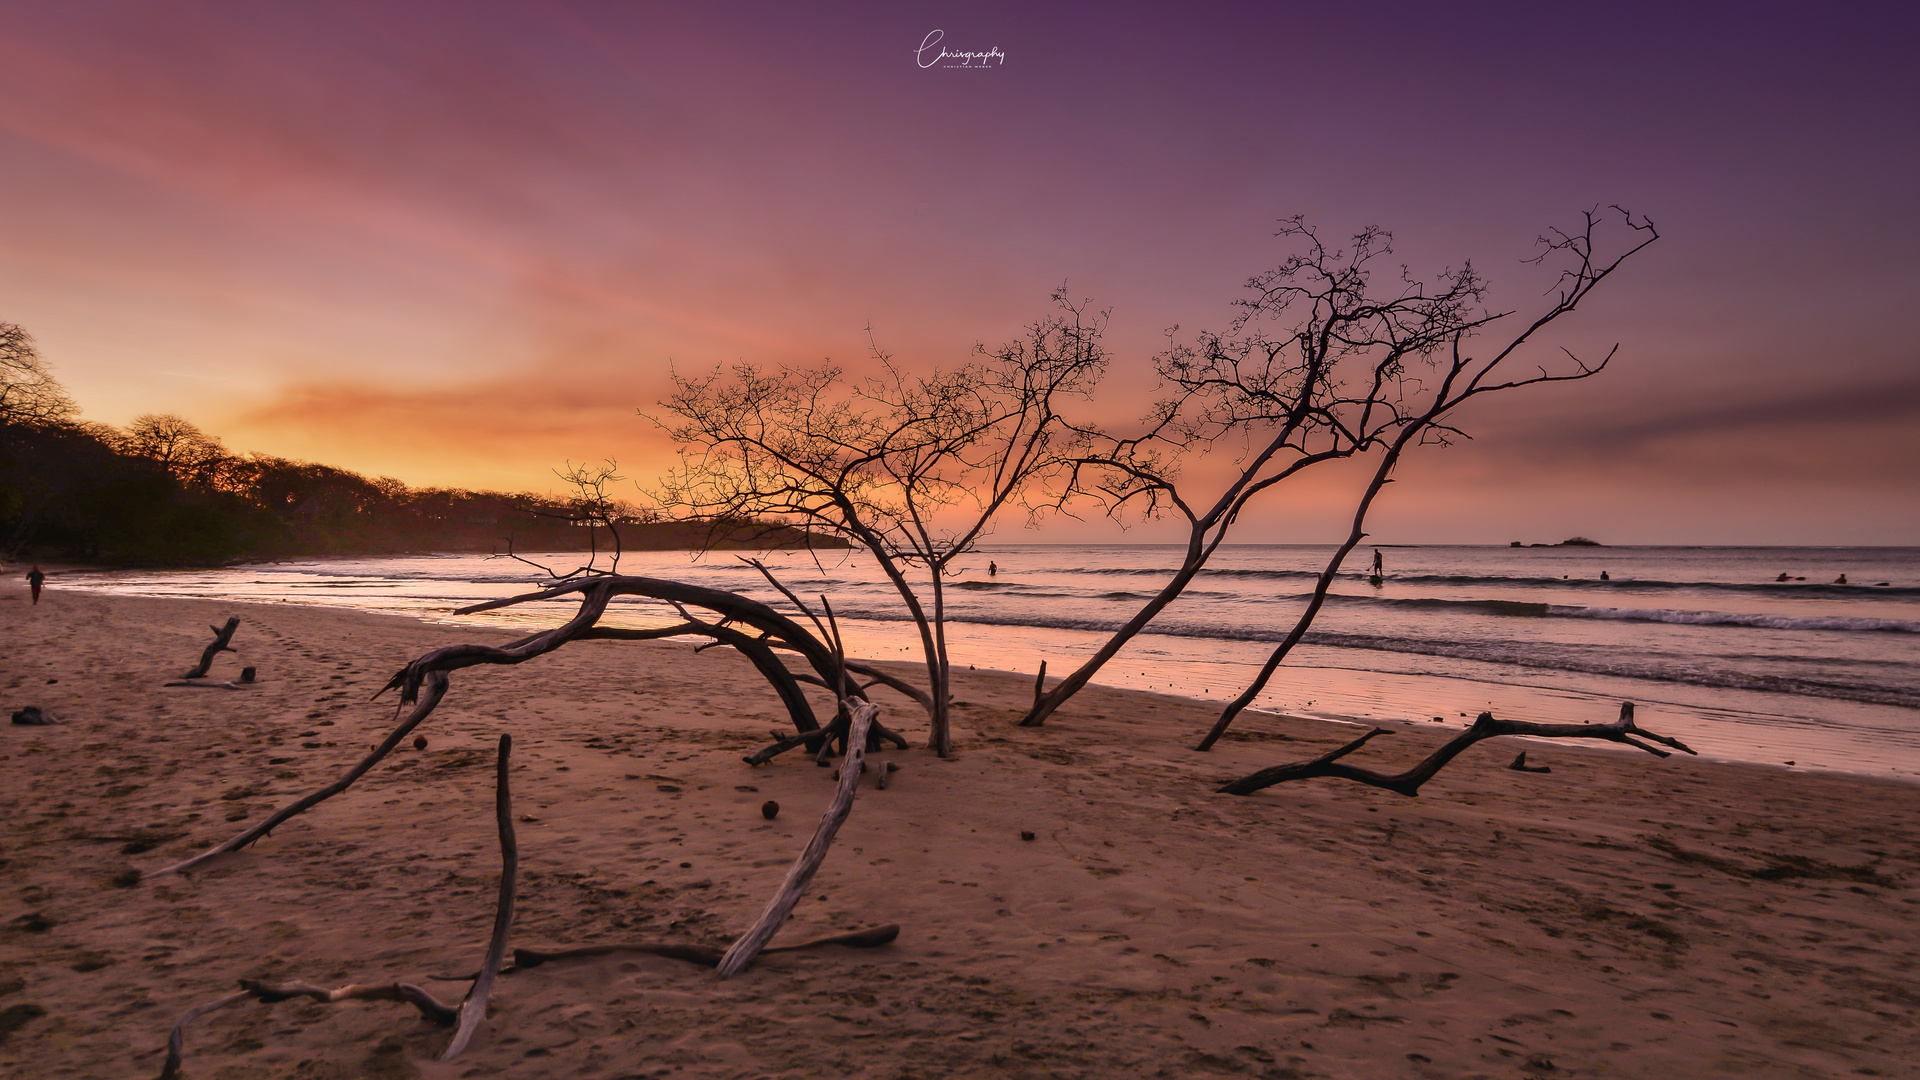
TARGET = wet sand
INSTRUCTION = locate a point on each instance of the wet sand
(1619, 916)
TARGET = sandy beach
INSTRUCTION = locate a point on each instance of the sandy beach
(1621, 916)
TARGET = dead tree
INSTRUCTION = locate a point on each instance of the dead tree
(222, 638)
(912, 469)
(1353, 367)
(1407, 783)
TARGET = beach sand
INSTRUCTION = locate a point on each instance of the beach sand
(1620, 916)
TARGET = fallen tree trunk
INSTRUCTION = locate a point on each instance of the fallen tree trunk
(1623, 730)
(860, 716)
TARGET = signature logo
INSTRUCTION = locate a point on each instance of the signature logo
(930, 54)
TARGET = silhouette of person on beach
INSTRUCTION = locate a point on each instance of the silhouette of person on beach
(34, 580)
(1604, 576)
(1841, 580)
(993, 568)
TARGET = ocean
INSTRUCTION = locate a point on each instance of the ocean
(1710, 643)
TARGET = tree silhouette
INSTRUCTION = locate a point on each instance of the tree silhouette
(911, 468)
(1327, 360)
(29, 394)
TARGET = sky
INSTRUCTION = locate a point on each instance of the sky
(464, 243)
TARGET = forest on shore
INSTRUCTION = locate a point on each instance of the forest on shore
(162, 492)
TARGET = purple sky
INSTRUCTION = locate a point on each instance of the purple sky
(460, 243)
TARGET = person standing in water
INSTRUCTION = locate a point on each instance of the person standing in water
(34, 580)
(1379, 564)
(993, 568)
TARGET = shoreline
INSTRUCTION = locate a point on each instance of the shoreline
(1620, 916)
(1319, 682)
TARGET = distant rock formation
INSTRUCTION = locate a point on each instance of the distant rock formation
(1576, 541)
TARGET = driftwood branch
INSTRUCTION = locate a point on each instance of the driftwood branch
(1623, 730)
(860, 715)
(814, 740)
(892, 682)
(222, 635)
(436, 687)
(177, 1038)
(822, 743)
(430, 1007)
(474, 1008)
(704, 955)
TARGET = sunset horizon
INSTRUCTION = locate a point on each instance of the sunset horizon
(463, 252)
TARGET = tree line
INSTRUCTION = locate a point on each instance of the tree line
(162, 492)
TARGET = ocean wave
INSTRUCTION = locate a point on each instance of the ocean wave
(1509, 608)
(1677, 616)
(1526, 654)
(493, 572)
(1766, 588)
(1722, 618)
(1632, 666)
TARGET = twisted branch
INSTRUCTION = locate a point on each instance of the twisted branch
(1484, 726)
